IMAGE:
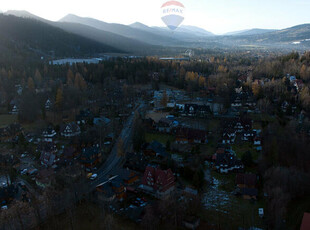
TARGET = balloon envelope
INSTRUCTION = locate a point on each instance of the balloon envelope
(172, 14)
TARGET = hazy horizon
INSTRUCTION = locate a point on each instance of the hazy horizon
(218, 17)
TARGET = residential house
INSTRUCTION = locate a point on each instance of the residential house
(245, 180)
(101, 121)
(237, 102)
(164, 125)
(292, 79)
(68, 155)
(49, 133)
(257, 140)
(149, 123)
(128, 176)
(105, 192)
(155, 149)
(44, 177)
(248, 135)
(108, 139)
(48, 104)
(305, 224)
(285, 106)
(299, 85)
(84, 117)
(119, 188)
(10, 132)
(135, 161)
(15, 110)
(188, 136)
(229, 136)
(191, 222)
(48, 153)
(158, 182)
(249, 193)
(196, 110)
(70, 130)
(90, 156)
(227, 162)
(241, 125)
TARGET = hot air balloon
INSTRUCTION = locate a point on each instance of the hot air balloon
(172, 14)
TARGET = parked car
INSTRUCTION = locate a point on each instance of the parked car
(94, 176)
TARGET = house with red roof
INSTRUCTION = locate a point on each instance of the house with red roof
(158, 182)
(305, 224)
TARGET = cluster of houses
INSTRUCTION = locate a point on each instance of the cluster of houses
(298, 84)
(10, 132)
(242, 127)
(243, 100)
(226, 161)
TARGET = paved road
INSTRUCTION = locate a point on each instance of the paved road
(114, 161)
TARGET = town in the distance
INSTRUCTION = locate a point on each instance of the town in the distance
(107, 126)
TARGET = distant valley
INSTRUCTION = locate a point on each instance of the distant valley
(78, 36)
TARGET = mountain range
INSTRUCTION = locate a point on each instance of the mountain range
(254, 31)
(74, 35)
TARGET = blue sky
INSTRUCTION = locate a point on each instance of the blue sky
(217, 16)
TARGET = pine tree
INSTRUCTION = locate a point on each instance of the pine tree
(164, 99)
(38, 77)
(30, 84)
(59, 99)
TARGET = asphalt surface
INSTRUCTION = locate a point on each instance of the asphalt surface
(114, 162)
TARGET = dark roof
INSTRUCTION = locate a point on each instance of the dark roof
(190, 133)
(249, 191)
(305, 224)
(84, 114)
(246, 179)
(72, 126)
(90, 154)
(7, 193)
(227, 159)
(136, 161)
(157, 147)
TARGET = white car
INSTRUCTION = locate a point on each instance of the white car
(93, 177)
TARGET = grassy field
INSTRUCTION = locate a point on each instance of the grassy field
(240, 213)
(242, 148)
(162, 138)
(262, 117)
(7, 119)
(230, 211)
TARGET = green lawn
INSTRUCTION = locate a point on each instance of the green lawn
(7, 119)
(227, 181)
(235, 213)
(240, 149)
(162, 138)
(241, 213)
(257, 125)
(262, 117)
(213, 125)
